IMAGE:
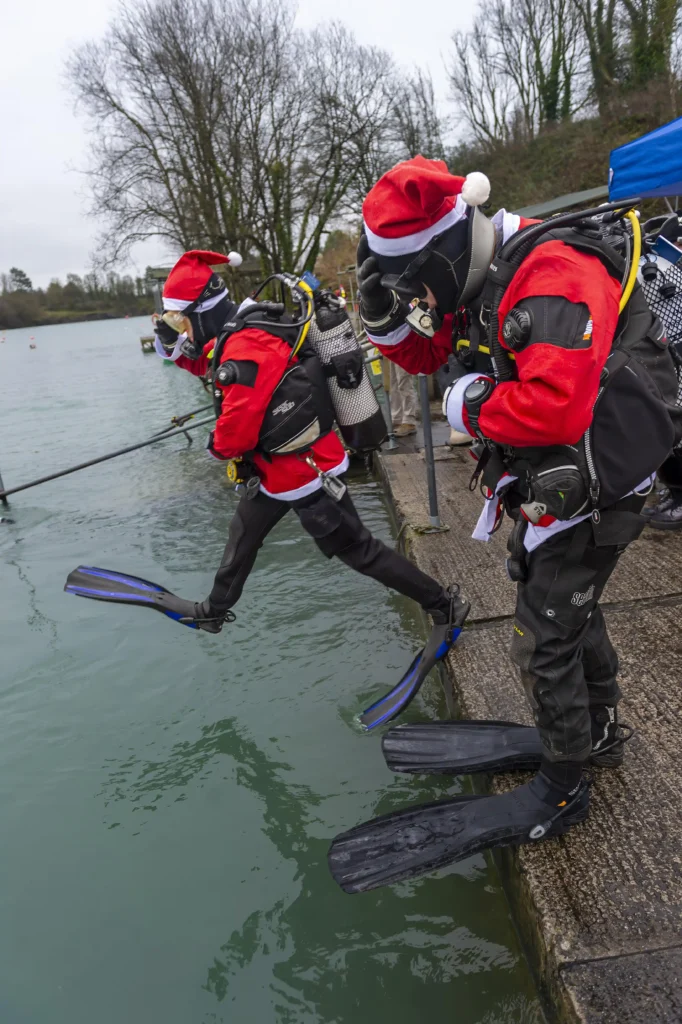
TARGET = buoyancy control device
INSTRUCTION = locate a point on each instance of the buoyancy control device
(299, 412)
(636, 419)
(327, 382)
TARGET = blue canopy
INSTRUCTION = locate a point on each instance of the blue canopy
(649, 166)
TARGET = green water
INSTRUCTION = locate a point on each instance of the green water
(167, 797)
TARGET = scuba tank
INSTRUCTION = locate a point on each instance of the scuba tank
(356, 409)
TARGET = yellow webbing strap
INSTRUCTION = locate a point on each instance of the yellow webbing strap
(465, 343)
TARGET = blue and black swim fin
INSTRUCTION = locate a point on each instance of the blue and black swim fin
(109, 585)
(443, 636)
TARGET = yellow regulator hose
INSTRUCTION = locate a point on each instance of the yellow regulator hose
(634, 265)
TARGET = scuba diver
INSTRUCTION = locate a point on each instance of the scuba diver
(571, 411)
(279, 384)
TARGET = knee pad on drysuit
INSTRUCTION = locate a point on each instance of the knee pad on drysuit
(329, 524)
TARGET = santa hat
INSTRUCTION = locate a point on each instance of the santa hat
(192, 279)
(416, 200)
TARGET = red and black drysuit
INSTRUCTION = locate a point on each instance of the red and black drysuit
(289, 482)
(560, 644)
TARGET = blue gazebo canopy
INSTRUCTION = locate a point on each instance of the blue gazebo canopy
(648, 166)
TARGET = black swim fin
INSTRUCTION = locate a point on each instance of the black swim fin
(461, 748)
(443, 636)
(469, 746)
(109, 585)
(420, 839)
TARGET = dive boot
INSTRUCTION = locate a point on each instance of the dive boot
(664, 502)
(608, 737)
(667, 515)
(119, 588)
(443, 636)
(469, 746)
(417, 840)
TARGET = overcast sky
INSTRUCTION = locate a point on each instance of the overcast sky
(44, 227)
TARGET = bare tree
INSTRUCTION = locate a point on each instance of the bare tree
(599, 19)
(217, 123)
(417, 124)
(519, 69)
(485, 96)
(650, 29)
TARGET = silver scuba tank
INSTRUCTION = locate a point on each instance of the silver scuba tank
(356, 409)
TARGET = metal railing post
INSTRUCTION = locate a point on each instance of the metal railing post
(428, 451)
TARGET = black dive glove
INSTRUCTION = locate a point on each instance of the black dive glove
(166, 335)
(376, 299)
(381, 310)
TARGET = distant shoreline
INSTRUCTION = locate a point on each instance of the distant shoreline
(73, 317)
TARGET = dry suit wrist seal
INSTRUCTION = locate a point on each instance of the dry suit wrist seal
(394, 315)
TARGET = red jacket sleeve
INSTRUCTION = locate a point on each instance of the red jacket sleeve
(243, 409)
(197, 367)
(552, 400)
(421, 355)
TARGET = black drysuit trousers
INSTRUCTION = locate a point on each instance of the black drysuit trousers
(337, 530)
(560, 643)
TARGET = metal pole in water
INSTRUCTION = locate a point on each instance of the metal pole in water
(3, 497)
(428, 450)
(105, 458)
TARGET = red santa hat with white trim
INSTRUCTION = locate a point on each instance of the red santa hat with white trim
(416, 200)
(419, 204)
(193, 283)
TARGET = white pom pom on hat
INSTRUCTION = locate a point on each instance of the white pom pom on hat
(476, 188)
(236, 259)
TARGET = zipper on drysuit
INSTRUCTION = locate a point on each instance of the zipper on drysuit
(595, 485)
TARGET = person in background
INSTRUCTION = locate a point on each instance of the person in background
(403, 400)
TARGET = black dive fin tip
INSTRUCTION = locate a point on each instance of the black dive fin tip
(119, 588)
(397, 699)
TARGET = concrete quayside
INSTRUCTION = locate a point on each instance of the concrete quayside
(599, 910)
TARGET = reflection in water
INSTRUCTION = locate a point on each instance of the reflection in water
(313, 953)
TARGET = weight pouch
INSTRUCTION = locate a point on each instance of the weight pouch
(348, 368)
(561, 487)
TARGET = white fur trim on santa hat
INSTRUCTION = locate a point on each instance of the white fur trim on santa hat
(235, 259)
(476, 189)
(414, 243)
(181, 304)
